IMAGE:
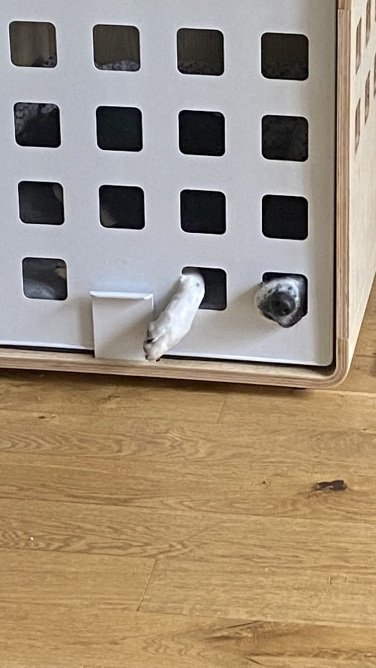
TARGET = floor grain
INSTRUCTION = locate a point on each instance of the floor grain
(185, 525)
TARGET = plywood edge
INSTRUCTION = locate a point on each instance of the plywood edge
(343, 173)
(361, 200)
(183, 369)
(342, 359)
(340, 370)
(342, 355)
(344, 5)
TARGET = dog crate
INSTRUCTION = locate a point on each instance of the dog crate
(142, 137)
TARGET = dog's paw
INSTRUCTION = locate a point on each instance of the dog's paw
(176, 320)
(155, 349)
(159, 338)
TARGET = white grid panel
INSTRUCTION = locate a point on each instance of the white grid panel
(151, 259)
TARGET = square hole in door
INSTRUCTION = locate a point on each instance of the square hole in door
(32, 44)
(203, 211)
(200, 51)
(285, 217)
(215, 298)
(285, 138)
(284, 56)
(44, 278)
(119, 128)
(117, 47)
(202, 133)
(37, 124)
(122, 207)
(41, 203)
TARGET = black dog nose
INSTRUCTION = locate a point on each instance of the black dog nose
(281, 304)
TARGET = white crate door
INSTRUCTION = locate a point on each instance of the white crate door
(168, 134)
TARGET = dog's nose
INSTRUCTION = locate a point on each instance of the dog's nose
(282, 304)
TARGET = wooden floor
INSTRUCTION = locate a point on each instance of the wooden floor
(150, 524)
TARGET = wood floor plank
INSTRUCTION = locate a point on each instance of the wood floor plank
(316, 662)
(342, 548)
(65, 393)
(269, 641)
(253, 590)
(101, 638)
(264, 440)
(67, 435)
(337, 410)
(72, 580)
(285, 489)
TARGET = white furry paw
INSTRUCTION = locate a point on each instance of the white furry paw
(158, 338)
(174, 323)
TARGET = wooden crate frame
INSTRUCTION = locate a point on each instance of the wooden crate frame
(355, 253)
